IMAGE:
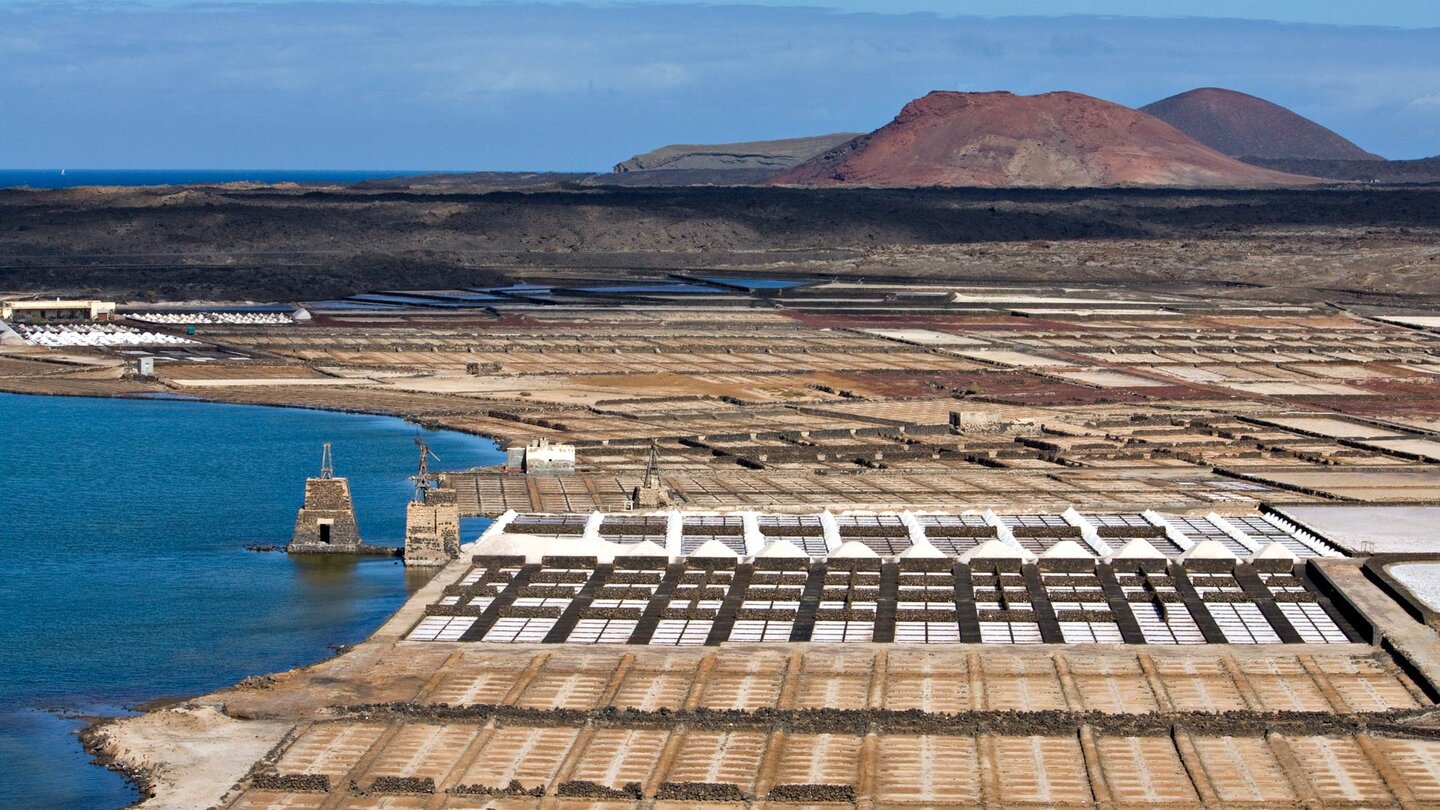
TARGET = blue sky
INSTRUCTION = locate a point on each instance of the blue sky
(580, 86)
(1394, 13)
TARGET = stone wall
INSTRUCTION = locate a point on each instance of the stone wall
(432, 529)
(327, 503)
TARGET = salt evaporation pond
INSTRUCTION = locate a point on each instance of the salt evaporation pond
(1421, 579)
(123, 526)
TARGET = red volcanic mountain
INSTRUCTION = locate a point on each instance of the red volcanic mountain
(1049, 140)
(1248, 127)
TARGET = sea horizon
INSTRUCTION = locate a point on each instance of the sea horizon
(76, 178)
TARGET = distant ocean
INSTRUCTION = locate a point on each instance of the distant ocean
(52, 178)
(123, 570)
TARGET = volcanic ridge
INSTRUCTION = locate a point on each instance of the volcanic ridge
(749, 163)
(1243, 126)
(1051, 140)
(773, 155)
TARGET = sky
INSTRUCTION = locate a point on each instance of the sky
(466, 85)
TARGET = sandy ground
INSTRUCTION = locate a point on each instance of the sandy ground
(189, 755)
(267, 381)
(593, 389)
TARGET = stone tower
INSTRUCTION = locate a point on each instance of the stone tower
(326, 522)
(432, 528)
(432, 519)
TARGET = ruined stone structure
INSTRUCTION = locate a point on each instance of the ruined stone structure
(979, 422)
(432, 519)
(432, 528)
(326, 522)
(652, 492)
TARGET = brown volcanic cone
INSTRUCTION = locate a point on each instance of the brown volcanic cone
(1048, 140)
(1248, 127)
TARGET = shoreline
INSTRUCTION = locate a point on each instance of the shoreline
(121, 743)
(100, 735)
(162, 396)
(105, 751)
(193, 752)
(93, 742)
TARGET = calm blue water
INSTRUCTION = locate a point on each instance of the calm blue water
(123, 573)
(52, 178)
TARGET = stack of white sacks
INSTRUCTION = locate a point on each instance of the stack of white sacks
(231, 318)
(94, 335)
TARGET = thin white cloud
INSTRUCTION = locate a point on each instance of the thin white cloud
(1426, 103)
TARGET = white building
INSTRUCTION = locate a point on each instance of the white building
(56, 310)
(541, 457)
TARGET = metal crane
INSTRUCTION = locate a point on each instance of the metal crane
(423, 478)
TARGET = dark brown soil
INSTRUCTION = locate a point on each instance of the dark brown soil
(1424, 170)
(284, 244)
